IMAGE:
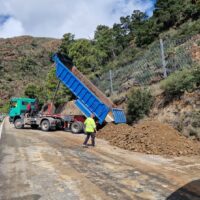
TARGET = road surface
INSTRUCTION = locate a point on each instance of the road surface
(53, 165)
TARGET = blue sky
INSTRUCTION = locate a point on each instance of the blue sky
(53, 18)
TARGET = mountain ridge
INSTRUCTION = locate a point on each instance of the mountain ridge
(24, 60)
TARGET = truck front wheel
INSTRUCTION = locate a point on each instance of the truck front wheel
(45, 125)
(19, 123)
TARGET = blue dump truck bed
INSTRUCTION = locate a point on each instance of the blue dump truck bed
(86, 101)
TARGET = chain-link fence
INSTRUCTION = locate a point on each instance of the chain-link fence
(150, 66)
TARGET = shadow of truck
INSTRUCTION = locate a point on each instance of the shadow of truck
(190, 191)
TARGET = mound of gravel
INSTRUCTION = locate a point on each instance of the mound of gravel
(150, 137)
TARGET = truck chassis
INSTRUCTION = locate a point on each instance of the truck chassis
(51, 122)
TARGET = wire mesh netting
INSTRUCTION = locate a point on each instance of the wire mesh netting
(148, 67)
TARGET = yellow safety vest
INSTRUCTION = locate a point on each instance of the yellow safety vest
(90, 125)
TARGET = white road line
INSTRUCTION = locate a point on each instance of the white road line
(1, 127)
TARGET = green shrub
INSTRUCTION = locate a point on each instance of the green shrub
(36, 91)
(5, 107)
(31, 91)
(179, 82)
(189, 28)
(196, 74)
(139, 104)
(8, 78)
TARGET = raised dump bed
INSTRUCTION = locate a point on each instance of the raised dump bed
(87, 101)
(92, 87)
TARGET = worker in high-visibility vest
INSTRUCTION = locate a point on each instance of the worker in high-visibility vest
(90, 130)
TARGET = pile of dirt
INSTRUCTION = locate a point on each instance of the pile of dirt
(150, 137)
(68, 108)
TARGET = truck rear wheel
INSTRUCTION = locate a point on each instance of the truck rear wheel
(45, 125)
(77, 127)
(19, 123)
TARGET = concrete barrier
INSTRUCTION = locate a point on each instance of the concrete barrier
(1, 127)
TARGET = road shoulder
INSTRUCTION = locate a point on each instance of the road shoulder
(1, 127)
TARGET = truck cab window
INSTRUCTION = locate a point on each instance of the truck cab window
(13, 104)
(24, 103)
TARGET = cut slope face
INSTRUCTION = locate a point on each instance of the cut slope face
(183, 114)
(150, 137)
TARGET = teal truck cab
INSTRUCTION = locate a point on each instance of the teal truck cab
(18, 107)
(17, 116)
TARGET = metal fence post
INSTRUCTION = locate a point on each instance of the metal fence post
(163, 58)
(111, 83)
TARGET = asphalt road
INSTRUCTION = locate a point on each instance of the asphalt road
(53, 165)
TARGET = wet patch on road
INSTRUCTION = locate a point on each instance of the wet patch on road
(27, 197)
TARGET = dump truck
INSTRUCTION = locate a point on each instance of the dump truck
(89, 100)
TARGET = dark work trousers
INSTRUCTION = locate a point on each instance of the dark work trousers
(92, 135)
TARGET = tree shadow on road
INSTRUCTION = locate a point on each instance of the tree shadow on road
(190, 191)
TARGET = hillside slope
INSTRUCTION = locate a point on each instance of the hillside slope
(24, 60)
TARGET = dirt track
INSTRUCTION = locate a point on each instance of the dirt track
(37, 165)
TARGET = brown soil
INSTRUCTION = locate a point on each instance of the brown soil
(150, 137)
(92, 87)
(68, 108)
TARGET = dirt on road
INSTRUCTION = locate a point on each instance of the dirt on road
(150, 137)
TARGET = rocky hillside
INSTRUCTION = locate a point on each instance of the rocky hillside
(183, 113)
(24, 60)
